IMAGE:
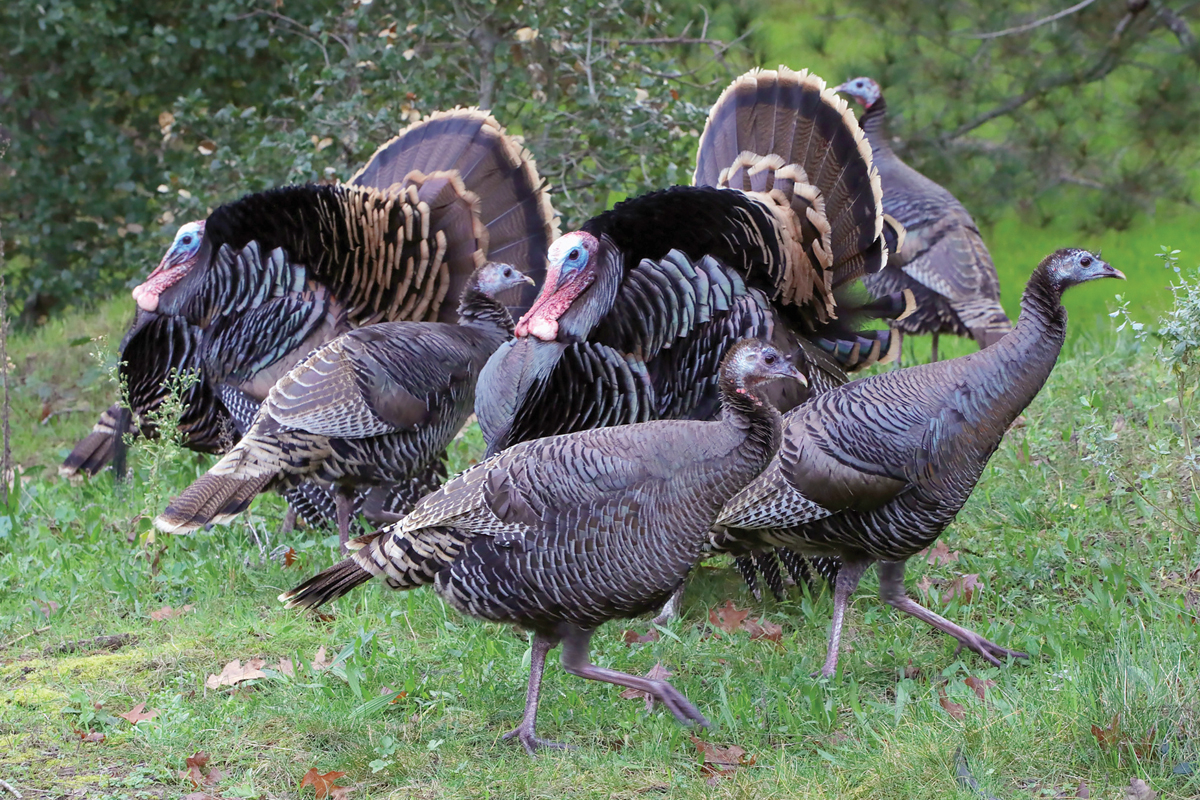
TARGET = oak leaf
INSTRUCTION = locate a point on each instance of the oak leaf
(657, 673)
(166, 612)
(632, 637)
(763, 629)
(940, 554)
(964, 587)
(728, 617)
(139, 713)
(322, 784)
(1139, 790)
(1109, 737)
(720, 762)
(319, 662)
(234, 673)
(980, 685)
(953, 709)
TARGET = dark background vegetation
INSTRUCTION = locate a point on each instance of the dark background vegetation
(127, 118)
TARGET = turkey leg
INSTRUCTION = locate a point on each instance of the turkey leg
(670, 609)
(525, 731)
(341, 501)
(899, 356)
(848, 576)
(891, 591)
(575, 661)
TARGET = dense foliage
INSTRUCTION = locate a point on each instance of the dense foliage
(1045, 105)
(127, 117)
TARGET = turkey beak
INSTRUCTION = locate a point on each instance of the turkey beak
(1113, 272)
(527, 281)
(799, 376)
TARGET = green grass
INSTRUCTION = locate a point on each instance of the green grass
(1086, 576)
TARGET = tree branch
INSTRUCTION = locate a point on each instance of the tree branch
(1183, 32)
(1030, 26)
(1108, 60)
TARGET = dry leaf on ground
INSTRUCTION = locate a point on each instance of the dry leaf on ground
(1139, 790)
(1109, 737)
(323, 784)
(166, 612)
(632, 637)
(234, 673)
(940, 554)
(964, 587)
(980, 685)
(320, 662)
(92, 737)
(721, 762)
(657, 673)
(139, 713)
(763, 629)
(286, 668)
(953, 709)
(728, 617)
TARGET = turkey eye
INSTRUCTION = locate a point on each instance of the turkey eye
(573, 255)
(1085, 261)
(769, 359)
(187, 240)
(507, 272)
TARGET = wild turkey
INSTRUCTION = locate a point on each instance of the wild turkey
(875, 470)
(942, 257)
(264, 280)
(560, 535)
(374, 407)
(640, 305)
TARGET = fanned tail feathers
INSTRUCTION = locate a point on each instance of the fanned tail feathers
(483, 186)
(785, 136)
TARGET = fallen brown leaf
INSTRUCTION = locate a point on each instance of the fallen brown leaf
(1139, 790)
(93, 737)
(940, 554)
(139, 713)
(727, 617)
(657, 673)
(632, 637)
(340, 793)
(322, 784)
(166, 612)
(286, 668)
(924, 584)
(1083, 793)
(763, 629)
(289, 557)
(953, 709)
(964, 586)
(720, 762)
(319, 662)
(1109, 737)
(48, 608)
(980, 685)
(234, 673)
(195, 768)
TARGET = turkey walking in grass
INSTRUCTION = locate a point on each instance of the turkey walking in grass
(640, 305)
(875, 470)
(374, 407)
(242, 297)
(941, 256)
(563, 534)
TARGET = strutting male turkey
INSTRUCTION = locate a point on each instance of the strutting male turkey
(941, 256)
(243, 296)
(373, 408)
(875, 470)
(563, 534)
(639, 306)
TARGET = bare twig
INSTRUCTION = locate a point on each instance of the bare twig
(587, 64)
(1108, 60)
(8, 786)
(114, 642)
(1030, 26)
(22, 638)
(1183, 32)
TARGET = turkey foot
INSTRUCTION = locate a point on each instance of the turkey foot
(848, 576)
(525, 731)
(670, 609)
(575, 661)
(891, 591)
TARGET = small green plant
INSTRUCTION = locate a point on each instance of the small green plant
(1177, 338)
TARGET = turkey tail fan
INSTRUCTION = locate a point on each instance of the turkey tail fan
(773, 130)
(213, 497)
(403, 561)
(95, 451)
(120, 457)
(471, 171)
(893, 236)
